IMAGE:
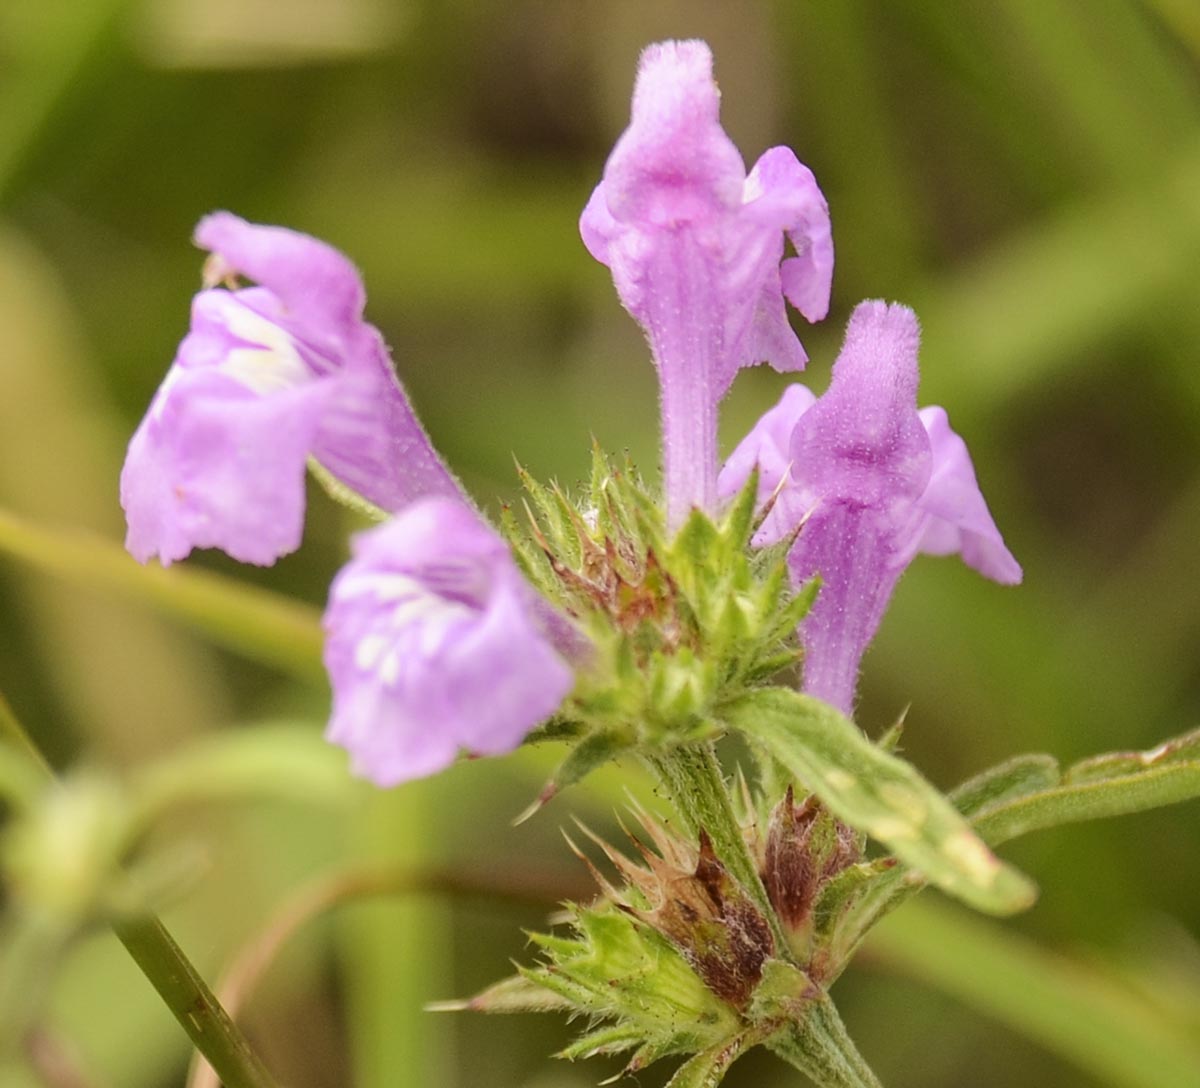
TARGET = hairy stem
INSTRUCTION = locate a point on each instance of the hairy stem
(820, 1047)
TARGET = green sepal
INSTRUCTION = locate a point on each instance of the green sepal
(515, 994)
(842, 894)
(346, 496)
(783, 993)
(592, 752)
(708, 1068)
(613, 967)
(879, 794)
(608, 1039)
(675, 625)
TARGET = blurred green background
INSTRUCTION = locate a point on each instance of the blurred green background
(1025, 173)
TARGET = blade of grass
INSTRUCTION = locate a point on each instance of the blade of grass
(1078, 1012)
(254, 621)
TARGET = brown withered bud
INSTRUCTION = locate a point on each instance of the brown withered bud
(806, 846)
(697, 906)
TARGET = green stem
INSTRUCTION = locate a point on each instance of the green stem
(190, 1000)
(820, 1048)
(13, 731)
(169, 971)
(696, 785)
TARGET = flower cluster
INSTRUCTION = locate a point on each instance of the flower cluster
(859, 477)
(436, 643)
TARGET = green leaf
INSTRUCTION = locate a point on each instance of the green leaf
(1016, 777)
(879, 794)
(1029, 793)
(1091, 799)
(1181, 749)
(1078, 1010)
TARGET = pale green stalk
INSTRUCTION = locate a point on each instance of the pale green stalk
(264, 626)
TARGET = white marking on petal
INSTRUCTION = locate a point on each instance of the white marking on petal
(389, 668)
(368, 651)
(410, 621)
(274, 365)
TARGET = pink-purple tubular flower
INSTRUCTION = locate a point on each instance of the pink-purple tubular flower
(435, 643)
(267, 377)
(434, 646)
(695, 247)
(869, 482)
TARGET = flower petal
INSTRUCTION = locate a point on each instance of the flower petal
(768, 446)
(316, 285)
(863, 456)
(780, 187)
(296, 343)
(214, 465)
(695, 249)
(674, 162)
(435, 644)
(954, 514)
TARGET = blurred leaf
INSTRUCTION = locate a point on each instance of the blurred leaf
(279, 761)
(255, 33)
(1079, 1012)
(397, 956)
(879, 794)
(988, 332)
(45, 50)
(254, 621)
(131, 682)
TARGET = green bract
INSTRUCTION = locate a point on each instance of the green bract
(679, 625)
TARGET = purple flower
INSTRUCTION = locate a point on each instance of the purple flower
(267, 377)
(870, 482)
(435, 644)
(695, 247)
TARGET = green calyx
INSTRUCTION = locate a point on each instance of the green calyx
(677, 959)
(677, 625)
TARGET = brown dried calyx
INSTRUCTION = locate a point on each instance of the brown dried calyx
(688, 896)
(806, 846)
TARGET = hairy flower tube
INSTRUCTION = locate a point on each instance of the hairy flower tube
(695, 246)
(267, 377)
(866, 482)
(435, 645)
